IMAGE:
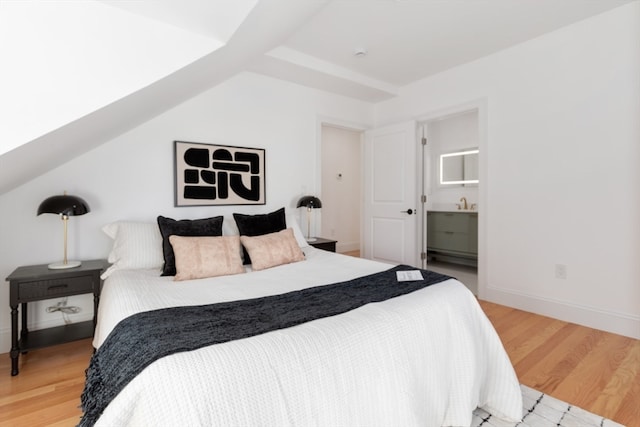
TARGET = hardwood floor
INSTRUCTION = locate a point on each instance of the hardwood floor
(351, 253)
(595, 370)
(47, 390)
(592, 369)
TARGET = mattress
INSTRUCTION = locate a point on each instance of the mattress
(427, 358)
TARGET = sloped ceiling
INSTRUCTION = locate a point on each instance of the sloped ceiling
(310, 42)
(266, 26)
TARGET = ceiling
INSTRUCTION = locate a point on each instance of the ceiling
(309, 42)
(217, 19)
(404, 40)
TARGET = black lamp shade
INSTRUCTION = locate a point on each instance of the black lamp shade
(310, 202)
(64, 205)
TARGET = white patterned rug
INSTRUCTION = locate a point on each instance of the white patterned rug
(542, 410)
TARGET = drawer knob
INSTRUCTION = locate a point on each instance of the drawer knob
(57, 287)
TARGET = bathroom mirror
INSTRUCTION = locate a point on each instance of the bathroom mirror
(460, 167)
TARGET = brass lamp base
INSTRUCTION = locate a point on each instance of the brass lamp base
(62, 265)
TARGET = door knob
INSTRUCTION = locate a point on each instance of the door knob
(408, 211)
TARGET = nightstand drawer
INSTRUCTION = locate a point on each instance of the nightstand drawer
(324, 244)
(52, 288)
(327, 246)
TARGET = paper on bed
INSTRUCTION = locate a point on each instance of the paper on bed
(409, 275)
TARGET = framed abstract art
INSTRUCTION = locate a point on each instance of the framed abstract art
(210, 174)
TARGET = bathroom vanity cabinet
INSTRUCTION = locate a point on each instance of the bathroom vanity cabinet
(453, 237)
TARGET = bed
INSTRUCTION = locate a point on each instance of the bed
(426, 358)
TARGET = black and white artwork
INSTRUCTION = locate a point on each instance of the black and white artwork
(208, 174)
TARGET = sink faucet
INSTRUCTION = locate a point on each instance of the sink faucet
(464, 207)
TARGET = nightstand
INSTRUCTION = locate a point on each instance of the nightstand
(37, 282)
(325, 244)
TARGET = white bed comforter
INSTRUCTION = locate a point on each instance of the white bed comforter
(426, 359)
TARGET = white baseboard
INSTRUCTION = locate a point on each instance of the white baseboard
(593, 317)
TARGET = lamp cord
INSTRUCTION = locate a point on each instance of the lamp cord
(65, 310)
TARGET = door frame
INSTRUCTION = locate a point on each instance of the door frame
(322, 120)
(481, 106)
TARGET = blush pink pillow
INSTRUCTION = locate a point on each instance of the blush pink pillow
(206, 256)
(270, 250)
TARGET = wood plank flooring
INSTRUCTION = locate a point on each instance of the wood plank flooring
(47, 390)
(595, 370)
(352, 253)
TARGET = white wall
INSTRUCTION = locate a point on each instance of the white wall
(456, 133)
(131, 177)
(562, 152)
(341, 186)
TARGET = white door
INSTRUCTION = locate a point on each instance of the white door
(390, 232)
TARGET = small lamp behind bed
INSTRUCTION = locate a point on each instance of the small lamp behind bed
(309, 202)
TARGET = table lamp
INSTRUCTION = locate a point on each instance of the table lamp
(65, 206)
(310, 202)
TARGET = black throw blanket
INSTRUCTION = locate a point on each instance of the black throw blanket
(143, 338)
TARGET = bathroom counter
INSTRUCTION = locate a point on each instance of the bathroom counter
(452, 236)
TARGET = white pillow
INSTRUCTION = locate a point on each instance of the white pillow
(135, 245)
(292, 222)
(229, 227)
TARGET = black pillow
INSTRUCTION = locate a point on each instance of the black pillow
(184, 227)
(257, 225)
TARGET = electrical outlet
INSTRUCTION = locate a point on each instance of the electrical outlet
(561, 271)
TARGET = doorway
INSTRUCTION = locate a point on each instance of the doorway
(451, 217)
(341, 186)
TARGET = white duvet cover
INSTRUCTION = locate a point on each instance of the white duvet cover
(426, 359)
